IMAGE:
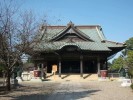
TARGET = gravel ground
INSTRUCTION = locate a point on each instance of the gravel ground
(70, 90)
(30, 91)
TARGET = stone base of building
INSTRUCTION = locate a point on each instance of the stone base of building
(103, 79)
(71, 77)
(36, 79)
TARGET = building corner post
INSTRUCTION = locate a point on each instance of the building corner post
(59, 67)
(81, 66)
(42, 73)
(106, 64)
(98, 66)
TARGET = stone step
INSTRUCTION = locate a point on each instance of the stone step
(72, 77)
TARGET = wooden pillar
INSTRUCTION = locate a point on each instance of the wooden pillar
(46, 70)
(81, 66)
(42, 70)
(98, 66)
(106, 64)
(59, 67)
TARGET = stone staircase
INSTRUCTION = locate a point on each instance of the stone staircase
(71, 77)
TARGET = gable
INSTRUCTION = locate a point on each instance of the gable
(70, 33)
(71, 37)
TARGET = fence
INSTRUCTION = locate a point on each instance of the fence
(113, 75)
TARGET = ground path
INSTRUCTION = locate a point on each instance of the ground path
(70, 90)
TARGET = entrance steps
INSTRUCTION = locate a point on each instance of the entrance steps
(70, 77)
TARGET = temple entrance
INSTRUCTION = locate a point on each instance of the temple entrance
(90, 66)
(67, 66)
(70, 67)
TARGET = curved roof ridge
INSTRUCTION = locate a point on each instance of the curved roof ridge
(70, 44)
(100, 34)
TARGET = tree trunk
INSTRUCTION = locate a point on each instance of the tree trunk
(8, 86)
(4, 77)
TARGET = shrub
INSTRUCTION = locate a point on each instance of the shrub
(131, 72)
(132, 85)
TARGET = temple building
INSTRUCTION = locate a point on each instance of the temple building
(74, 49)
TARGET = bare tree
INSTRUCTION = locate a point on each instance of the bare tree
(17, 32)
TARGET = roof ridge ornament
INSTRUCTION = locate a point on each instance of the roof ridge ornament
(70, 23)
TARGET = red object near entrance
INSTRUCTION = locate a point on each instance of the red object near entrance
(37, 73)
(103, 73)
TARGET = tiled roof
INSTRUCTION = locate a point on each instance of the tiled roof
(94, 33)
(91, 46)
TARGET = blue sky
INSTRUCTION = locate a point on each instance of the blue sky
(115, 16)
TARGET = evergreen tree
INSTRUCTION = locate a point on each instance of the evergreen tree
(117, 63)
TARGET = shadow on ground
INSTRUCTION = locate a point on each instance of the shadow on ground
(67, 75)
(87, 76)
(66, 95)
(22, 92)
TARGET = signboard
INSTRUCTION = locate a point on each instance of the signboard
(54, 68)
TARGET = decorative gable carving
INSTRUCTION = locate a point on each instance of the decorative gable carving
(72, 37)
(71, 34)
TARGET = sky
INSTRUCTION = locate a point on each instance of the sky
(114, 16)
